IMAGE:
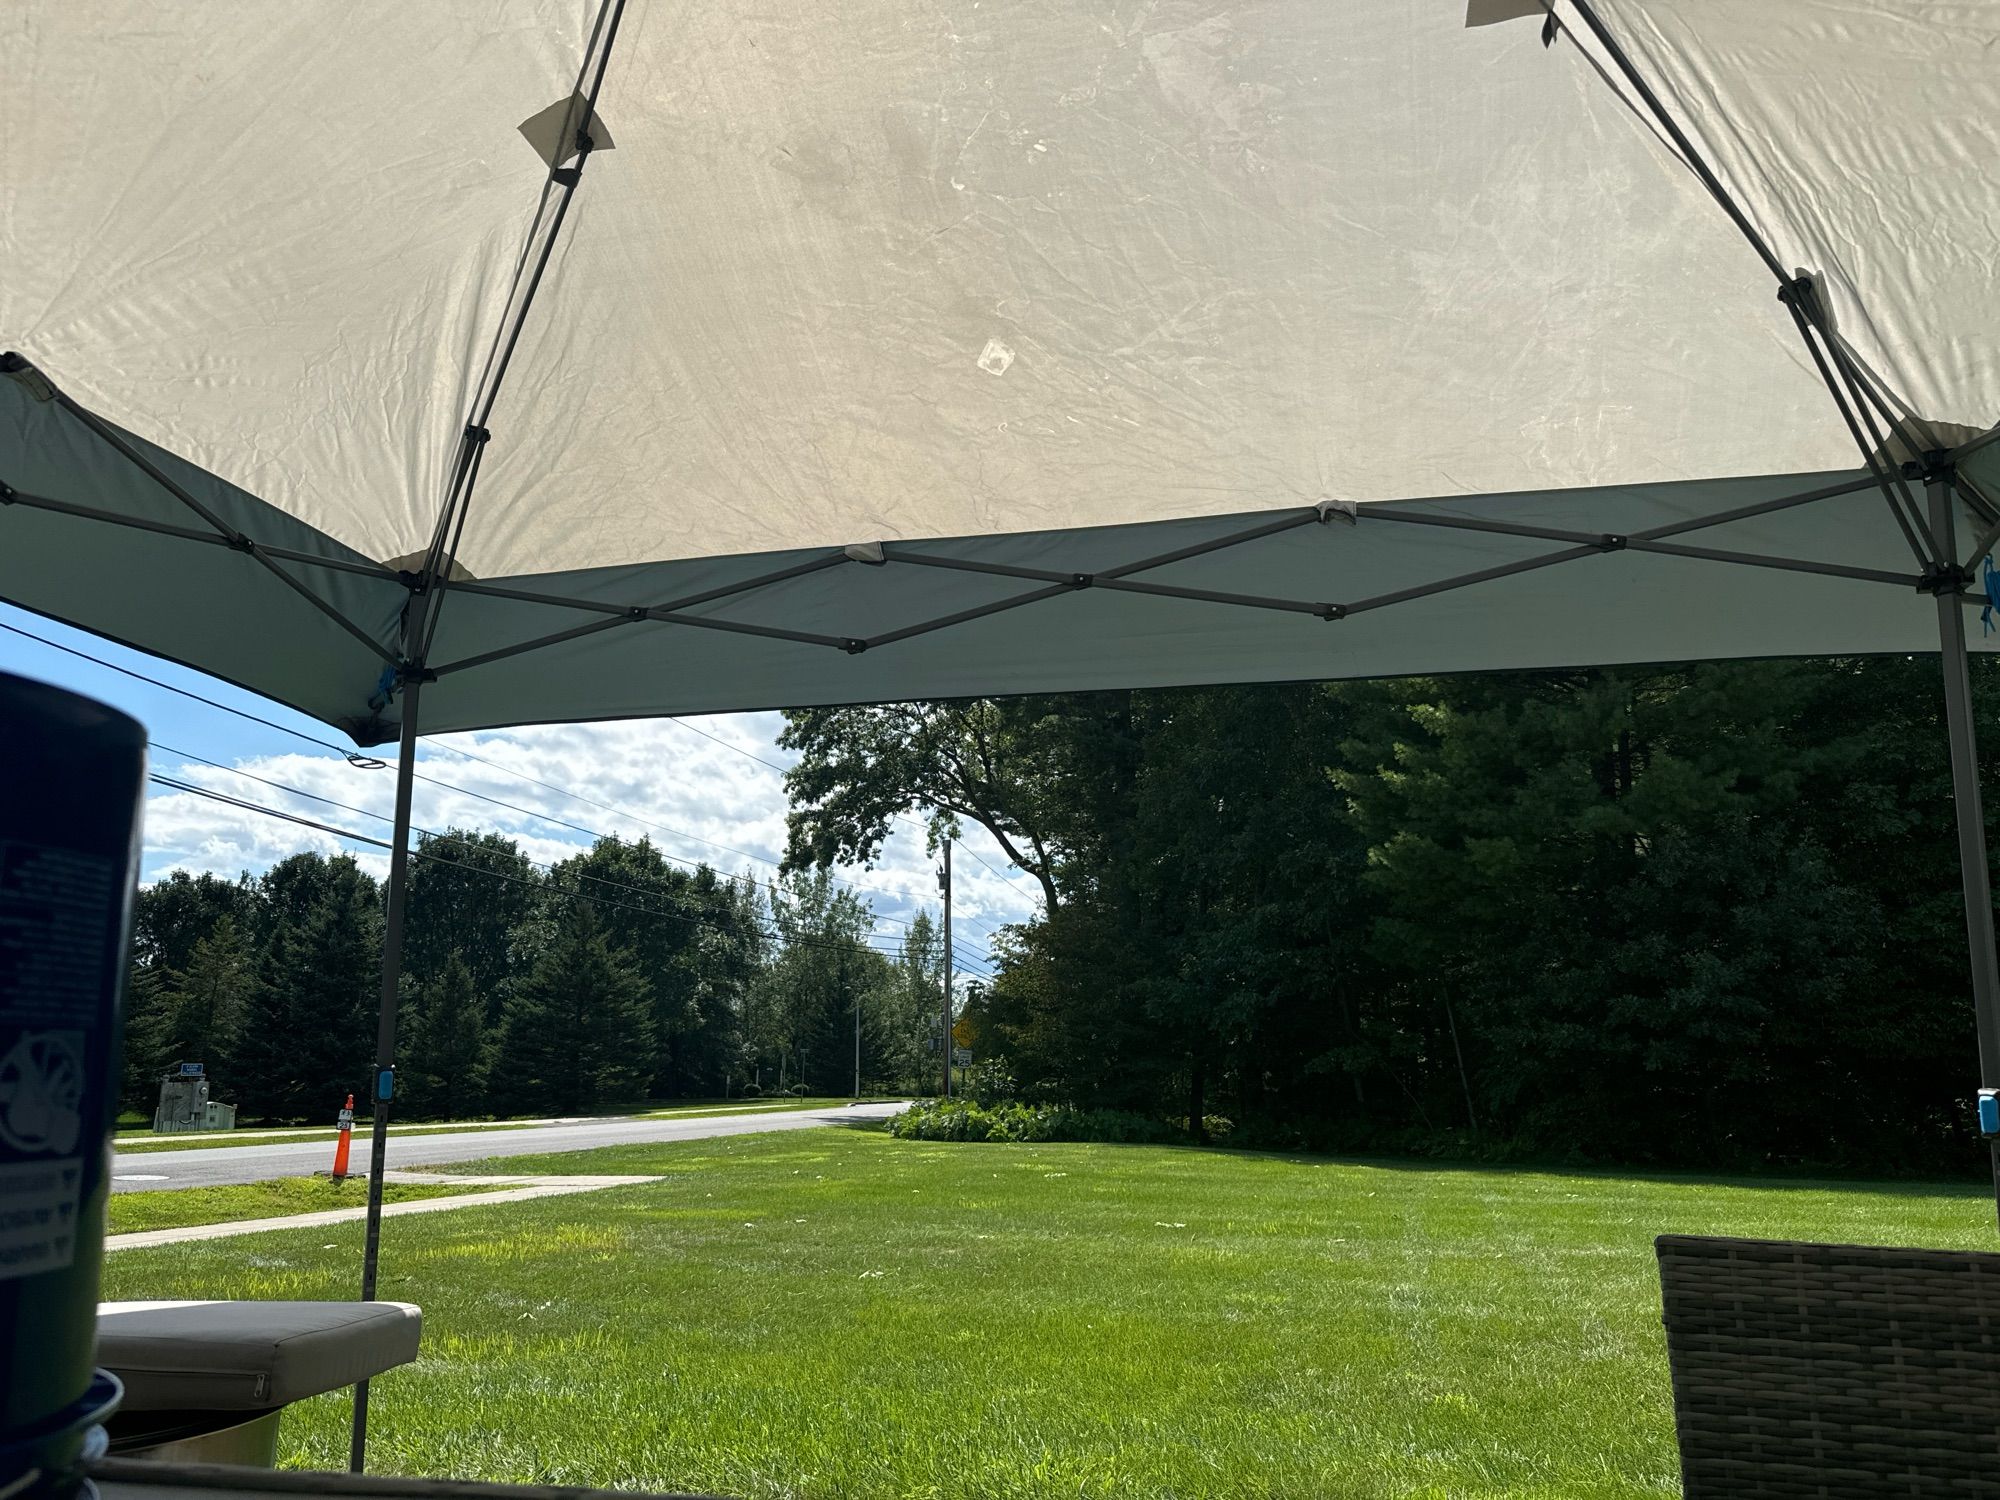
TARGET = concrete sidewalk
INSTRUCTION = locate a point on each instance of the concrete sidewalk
(509, 1190)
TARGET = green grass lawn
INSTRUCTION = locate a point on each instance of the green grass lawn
(172, 1208)
(836, 1313)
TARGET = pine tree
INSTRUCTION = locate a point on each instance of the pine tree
(575, 1037)
(207, 1002)
(309, 1033)
(469, 891)
(144, 1052)
(444, 1072)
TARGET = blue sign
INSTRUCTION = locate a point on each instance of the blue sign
(191, 1070)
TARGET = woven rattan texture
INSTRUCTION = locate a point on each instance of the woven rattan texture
(1841, 1372)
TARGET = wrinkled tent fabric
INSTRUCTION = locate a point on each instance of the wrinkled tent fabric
(1621, 606)
(854, 352)
(1033, 287)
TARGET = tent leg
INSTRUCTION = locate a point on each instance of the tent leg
(1973, 868)
(385, 1037)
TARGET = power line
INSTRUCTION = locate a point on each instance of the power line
(728, 746)
(783, 770)
(851, 884)
(371, 762)
(420, 852)
(269, 812)
(431, 834)
(593, 802)
(859, 885)
(1001, 873)
(184, 692)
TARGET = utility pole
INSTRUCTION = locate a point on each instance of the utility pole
(857, 1037)
(944, 885)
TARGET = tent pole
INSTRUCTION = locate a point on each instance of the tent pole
(385, 1035)
(1973, 868)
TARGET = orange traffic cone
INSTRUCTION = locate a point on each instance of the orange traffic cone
(346, 1137)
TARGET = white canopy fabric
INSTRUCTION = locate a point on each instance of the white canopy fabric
(860, 318)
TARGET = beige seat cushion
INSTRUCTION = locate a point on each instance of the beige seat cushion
(245, 1356)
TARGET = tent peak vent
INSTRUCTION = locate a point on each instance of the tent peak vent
(1345, 511)
(870, 553)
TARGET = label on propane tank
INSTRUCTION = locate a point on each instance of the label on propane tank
(57, 909)
(38, 1204)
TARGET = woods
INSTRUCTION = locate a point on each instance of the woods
(1693, 915)
(606, 981)
(1698, 915)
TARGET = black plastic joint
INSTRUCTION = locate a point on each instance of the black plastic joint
(1936, 464)
(637, 612)
(415, 674)
(854, 648)
(1612, 543)
(11, 362)
(1081, 580)
(477, 434)
(241, 543)
(1796, 292)
(584, 144)
(412, 581)
(6, 494)
(1938, 581)
(567, 177)
(1331, 611)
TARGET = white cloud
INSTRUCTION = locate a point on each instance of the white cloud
(697, 799)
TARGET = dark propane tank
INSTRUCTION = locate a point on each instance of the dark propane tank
(72, 778)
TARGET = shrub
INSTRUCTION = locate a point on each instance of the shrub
(990, 1082)
(968, 1120)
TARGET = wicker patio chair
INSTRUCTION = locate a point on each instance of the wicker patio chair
(1841, 1372)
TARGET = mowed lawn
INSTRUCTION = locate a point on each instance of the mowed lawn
(174, 1208)
(837, 1313)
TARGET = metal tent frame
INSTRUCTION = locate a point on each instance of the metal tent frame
(1899, 454)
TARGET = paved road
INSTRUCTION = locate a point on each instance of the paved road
(138, 1171)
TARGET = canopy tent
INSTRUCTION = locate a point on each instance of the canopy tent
(455, 365)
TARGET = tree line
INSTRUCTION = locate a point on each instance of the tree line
(595, 985)
(1700, 915)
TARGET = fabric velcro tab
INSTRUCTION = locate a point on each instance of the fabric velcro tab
(553, 131)
(1493, 12)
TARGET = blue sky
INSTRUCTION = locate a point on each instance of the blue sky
(705, 789)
